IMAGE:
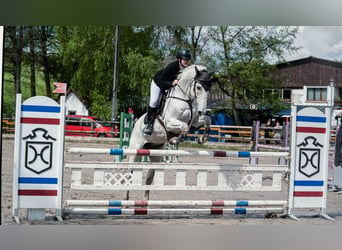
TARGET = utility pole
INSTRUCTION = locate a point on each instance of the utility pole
(115, 78)
(2, 35)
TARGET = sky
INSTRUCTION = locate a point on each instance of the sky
(324, 42)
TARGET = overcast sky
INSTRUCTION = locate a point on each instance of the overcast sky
(319, 41)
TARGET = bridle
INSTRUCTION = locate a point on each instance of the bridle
(189, 99)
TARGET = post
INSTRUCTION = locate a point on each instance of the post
(1, 84)
(126, 127)
(337, 170)
(255, 137)
(115, 77)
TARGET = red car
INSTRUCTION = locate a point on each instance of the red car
(77, 125)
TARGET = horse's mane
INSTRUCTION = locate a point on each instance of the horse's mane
(189, 73)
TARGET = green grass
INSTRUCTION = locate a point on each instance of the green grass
(9, 94)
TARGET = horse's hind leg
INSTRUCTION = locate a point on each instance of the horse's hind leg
(130, 158)
(126, 196)
(149, 179)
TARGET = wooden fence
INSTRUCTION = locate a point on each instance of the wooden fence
(8, 125)
(238, 134)
(224, 133)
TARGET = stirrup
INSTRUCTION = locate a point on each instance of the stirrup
(148, 129)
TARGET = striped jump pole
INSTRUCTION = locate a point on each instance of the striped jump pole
(172, 211)
(155, 152)
(175, 203)
(274, 147)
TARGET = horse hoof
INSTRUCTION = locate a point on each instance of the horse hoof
(202, 140)
(173, 141)
(177, 140)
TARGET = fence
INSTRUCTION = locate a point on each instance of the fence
(224, 134)
(238, 134)
(185, 177)
(8, 125)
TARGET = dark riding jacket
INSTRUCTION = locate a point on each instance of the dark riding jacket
(166, 76)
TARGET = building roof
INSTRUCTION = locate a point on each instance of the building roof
(309, 59)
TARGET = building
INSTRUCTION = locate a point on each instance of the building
(315, 72)
(311, 71)
(296, 74)
(74, 106)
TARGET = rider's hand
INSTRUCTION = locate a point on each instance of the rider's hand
(175, 82)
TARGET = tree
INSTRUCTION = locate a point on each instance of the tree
(169, 39)
(29, 46)
(14, 44)
(242, 57)
(32, 36)
(46, 33)
(86, 55)
(172, 38)
(198, 41)
(82, 56)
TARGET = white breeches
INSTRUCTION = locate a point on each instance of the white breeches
(154, 94)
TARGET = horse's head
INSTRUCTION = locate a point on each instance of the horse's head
(204, 77)
(194, 84)
(201, 88)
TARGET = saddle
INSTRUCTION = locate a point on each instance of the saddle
(161, 101)
(160, 105)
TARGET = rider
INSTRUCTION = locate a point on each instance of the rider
(165, 79)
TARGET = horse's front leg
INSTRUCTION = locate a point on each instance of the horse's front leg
(205, 121)
(177, 127)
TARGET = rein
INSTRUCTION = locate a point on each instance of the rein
(189, 101)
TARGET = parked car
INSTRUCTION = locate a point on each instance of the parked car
(76, 125)
(114, 126)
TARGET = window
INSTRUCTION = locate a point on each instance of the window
(86, 122)
(73, 121)
(287, 94)
(317, 94)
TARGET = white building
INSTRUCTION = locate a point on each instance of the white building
(74, 106)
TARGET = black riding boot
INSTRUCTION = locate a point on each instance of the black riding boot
(151, 115)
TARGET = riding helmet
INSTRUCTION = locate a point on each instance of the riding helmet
(184, 54)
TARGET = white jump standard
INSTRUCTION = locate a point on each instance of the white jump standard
(38, 157)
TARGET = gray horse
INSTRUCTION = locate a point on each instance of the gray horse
(185, 107)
